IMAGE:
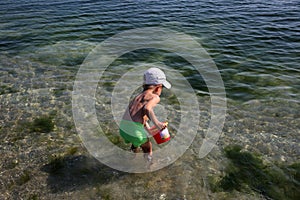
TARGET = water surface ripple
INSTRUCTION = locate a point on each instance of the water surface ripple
(246, 39)
(255, 45)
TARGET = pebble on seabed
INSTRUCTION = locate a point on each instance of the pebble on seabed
(162, 197)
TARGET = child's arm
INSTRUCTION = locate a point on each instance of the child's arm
(150, 113)
(150, 130)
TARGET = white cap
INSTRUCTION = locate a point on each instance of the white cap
(155, 76)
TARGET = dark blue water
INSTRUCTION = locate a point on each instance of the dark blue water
(254, 44)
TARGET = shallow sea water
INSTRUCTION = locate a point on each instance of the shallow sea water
(254, 44)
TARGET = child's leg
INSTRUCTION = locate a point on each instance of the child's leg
(147, 147)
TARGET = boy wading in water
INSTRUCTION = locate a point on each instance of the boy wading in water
(134, 125)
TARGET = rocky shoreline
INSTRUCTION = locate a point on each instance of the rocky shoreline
(53, 164)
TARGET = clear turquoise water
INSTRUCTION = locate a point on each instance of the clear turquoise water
(254, 44)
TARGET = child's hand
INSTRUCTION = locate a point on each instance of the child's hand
(165, 124)
(153, 129)
(162, 126)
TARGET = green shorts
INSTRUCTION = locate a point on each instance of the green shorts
(133, 132)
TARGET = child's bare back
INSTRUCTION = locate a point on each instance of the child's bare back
(140, 107)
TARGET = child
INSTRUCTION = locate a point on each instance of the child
(134, 125)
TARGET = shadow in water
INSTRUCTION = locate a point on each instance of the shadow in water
(71, 172)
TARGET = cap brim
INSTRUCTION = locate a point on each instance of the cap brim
(166, 84)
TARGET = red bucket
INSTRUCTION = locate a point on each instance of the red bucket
(161, 136)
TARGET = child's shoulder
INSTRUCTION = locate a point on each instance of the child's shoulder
(153, 97)
(150, 95)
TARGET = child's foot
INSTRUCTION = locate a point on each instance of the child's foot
(149, 159)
